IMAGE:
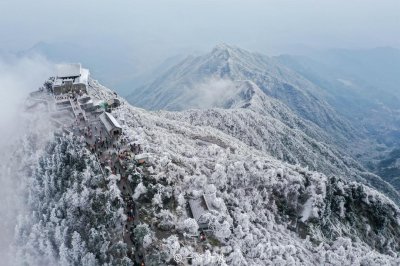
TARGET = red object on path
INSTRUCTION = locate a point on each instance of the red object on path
(202, 236)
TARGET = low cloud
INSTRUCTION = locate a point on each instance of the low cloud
(18, 77)
(213, 92)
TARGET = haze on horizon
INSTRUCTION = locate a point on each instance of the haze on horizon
(121, 40)
(169, 26)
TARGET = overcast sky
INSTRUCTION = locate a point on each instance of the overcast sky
(169, 25)
(122, 41)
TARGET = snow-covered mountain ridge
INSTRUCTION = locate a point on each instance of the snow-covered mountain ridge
(266, 212)
(246, 95)
(172, 89)
(268, 207)
(362, 85)
(234, 176)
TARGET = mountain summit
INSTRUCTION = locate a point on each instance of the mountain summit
(172, 89)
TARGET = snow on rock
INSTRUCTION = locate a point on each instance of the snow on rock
(140, 189)
(307, 210)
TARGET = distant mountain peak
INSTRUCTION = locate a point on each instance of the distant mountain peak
(222, 51)
(225, 51)
(172, 89)
(224, 46)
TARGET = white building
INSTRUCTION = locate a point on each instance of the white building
(71, 78)
(199, 208)
(112, 126)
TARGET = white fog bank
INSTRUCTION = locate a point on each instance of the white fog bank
(18, 77)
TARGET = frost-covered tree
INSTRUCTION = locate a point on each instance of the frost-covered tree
(72, 211)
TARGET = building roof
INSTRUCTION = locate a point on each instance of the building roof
(73, 73)
(113, 120)
(141, 156)
(68, 70)
(109, 121)
(198, 206)
(208, 198)
(114, 100)
(84, 77)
